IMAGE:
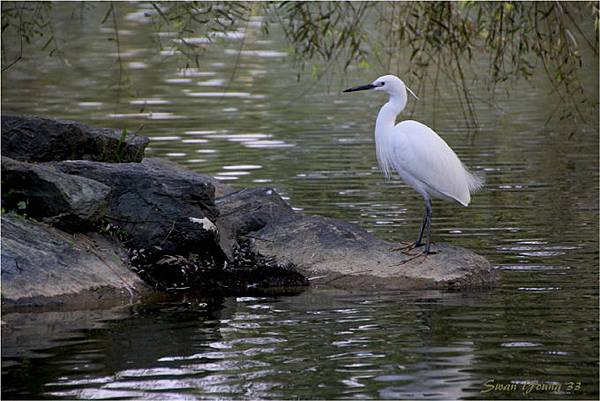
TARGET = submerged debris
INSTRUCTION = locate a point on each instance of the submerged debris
(247, 272)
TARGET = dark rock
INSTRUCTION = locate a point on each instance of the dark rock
(221, 189)
(246, 272)
(34, 139)
(253, 273)
(42, 265)
(248, 210)
(153, 206)
(68, 201)
(337, 254)
(334, 253)
(164, 215)
(252, 208)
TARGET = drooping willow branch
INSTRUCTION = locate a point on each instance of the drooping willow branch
(412, 39)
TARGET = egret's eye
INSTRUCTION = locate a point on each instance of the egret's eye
(381, 84)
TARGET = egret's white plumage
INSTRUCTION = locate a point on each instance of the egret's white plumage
(427, 163)
(420, 156)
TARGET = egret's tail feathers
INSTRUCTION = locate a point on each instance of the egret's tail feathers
(475, 181)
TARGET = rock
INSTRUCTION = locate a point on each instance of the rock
(34, 139)
(42, 265)
(253, 273)
(244, 273)
(154, 206)
(334, 253)
(221, 189)
(251, 209)
(165, 215)
(337, 254)
(248, 210)
(68, 201)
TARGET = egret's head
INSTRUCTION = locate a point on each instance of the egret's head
(387, 83)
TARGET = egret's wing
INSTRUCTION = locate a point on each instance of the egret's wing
(420, 152)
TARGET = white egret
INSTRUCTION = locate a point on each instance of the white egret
(422, 159)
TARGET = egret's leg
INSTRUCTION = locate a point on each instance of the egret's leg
(428, 212)
(411, 245)
(424, 226)
(425, 216)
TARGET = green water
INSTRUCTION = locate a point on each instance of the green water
(246, 120)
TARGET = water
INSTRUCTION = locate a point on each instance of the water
(245, 120)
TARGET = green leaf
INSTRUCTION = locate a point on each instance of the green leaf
(120, 148)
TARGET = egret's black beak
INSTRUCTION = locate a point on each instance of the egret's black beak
(360, 88)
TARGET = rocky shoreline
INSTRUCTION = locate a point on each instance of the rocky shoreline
(87, 219)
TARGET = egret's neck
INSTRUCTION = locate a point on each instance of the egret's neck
(384, 126)
(386, 119)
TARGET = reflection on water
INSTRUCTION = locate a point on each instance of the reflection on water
(243, 118)
(316, 345)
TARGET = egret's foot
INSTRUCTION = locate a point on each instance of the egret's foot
(406, 246)
(412, 252)
(413, 256)
(403, 246)
(429, 251)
